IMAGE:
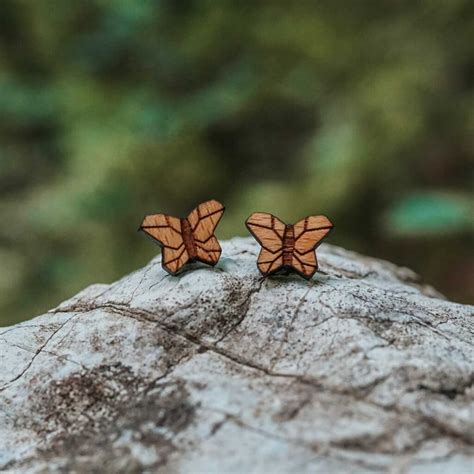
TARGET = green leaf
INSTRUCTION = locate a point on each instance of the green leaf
(430, 213)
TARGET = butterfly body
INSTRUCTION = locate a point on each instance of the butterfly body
(288, 244)
(287, 247)
(188, 239)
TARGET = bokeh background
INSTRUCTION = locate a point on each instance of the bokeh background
(110, 110)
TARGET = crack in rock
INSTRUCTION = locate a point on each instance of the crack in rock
(36, 354)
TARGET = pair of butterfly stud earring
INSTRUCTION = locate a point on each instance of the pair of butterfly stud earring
(284, 247)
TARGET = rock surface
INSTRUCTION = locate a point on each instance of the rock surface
(361, 369)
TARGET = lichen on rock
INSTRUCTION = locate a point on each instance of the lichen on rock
(363, 368)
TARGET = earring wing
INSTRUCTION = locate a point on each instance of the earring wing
(166, 230)
(269, 232)
(203, 221)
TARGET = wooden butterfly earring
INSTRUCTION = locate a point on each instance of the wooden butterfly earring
(288, 247)
(189, 239)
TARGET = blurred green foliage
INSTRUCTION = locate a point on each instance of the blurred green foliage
(110, 110)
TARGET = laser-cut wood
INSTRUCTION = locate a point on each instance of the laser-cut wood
(286, 246)
(189, 239)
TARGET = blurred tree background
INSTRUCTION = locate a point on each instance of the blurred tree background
(110, 110)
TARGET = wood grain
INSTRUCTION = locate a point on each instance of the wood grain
(286, 246)
(188, 239)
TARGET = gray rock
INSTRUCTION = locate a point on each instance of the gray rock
(361, 369)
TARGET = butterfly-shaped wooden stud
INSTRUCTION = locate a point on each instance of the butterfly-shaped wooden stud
(288, 247)
(189, 239)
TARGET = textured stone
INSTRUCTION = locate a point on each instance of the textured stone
(361, 369)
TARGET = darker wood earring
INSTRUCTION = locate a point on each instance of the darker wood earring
(189, 239)
(288, 247)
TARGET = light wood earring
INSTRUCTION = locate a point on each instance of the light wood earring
(288, 247)
(189, 239)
